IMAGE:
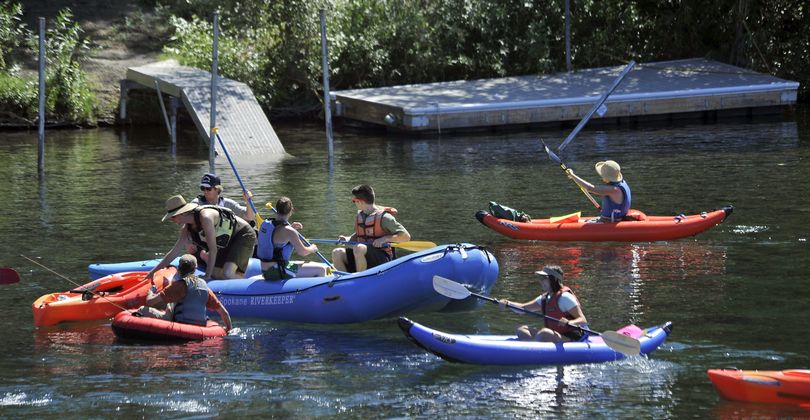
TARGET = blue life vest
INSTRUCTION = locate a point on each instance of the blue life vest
(267, 250)
(614, 212)
(192, 309)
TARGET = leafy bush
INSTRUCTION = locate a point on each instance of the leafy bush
(12, 31)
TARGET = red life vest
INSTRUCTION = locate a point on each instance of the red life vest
(551, 307)
(369, 227)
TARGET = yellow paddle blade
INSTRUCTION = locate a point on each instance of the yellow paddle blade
(568, 218)
(259, 220)
(414, 245)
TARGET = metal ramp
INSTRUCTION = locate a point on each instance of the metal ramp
(241, 121)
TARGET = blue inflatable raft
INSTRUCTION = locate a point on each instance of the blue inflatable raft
(404, 285)
(508, 350)
(98, 271)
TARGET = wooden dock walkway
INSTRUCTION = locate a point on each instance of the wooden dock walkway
(671, 89)
(242, 123)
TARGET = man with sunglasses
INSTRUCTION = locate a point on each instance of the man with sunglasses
(376, 227)
(211, 188)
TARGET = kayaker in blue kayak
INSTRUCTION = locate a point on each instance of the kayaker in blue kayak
(186, 299)
(277, 240)
(616, 196)
(558, 302)
(374, 225)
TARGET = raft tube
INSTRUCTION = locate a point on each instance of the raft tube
(763, 386)
(99, 299)
(508, 350)
(125, 325)
(100, 270)
(397, 287)
(643, 228)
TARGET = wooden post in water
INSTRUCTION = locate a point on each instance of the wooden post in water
(327, 102)
(212, 144)
(41, 148)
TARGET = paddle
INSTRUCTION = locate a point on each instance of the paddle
(76, 284)
(409, 245)
(596, 106)
(259, 219)
(9, 276)
(568, 218)
(563, 166)
(303, 239)
(621, 343)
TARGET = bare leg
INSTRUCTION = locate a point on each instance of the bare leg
(231, 271)
(360, 257)
(339, 258)
(550, 335)
(526, 333)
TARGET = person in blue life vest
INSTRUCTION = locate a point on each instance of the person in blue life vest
(227, 239)
(211, 194)
(616, 197)
(375, 227)
(276, 243)
(186, 300)
(557, 301)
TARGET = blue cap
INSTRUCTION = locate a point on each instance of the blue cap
(209, 180)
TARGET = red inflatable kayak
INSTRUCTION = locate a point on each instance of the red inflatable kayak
(126, 325)
(764, 386)
(99, 299)
(641, 228)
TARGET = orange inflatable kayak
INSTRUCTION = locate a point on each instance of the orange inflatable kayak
(128, 326)
(763, 386)
(641, 229)
(99, 299)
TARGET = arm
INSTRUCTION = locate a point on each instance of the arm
(575, 310)
(214, 304)
(174, 293)
(531, 305)
(591, 188)
(178, 247)
(292, 236)
(390, 224)
(207, 221)
(249, 214)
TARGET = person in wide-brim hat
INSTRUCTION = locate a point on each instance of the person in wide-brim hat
(177, 205)
(616, 196)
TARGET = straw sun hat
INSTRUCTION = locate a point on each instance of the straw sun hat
(609, 170)
(175, 205)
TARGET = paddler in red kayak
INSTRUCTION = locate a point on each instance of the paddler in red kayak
(557, 301)
(616, 197)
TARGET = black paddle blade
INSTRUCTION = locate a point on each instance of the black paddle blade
(551, 154)
(9, 276)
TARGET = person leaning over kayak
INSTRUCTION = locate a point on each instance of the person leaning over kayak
(186, 299)
(227, 239)
(376, 227)
(276, 242)
(616, 197)
(211, 188)
(557, 301)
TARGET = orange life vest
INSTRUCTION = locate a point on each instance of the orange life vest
(551, 307)
(369, 227)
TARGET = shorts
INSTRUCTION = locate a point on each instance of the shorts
(239, 250)
(273, 274)
(374, 257)
(577, 334)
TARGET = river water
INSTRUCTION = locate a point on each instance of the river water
(736, 294)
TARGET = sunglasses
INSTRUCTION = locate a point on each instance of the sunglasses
(206, 188)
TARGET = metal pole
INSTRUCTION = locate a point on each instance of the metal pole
(41, 154)
(327, 101)
(568, 35)
(212, 144)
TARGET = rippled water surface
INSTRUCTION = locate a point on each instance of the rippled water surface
(736, 294)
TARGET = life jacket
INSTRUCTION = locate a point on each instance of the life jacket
(612, 211)
(551, 307)
(192, 309)
(267, 250)
(224, 230)
(369, 227)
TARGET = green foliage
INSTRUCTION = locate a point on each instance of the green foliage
(18, 97)
(12, 31)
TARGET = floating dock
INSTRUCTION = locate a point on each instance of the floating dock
(242, 123)
(692, 88)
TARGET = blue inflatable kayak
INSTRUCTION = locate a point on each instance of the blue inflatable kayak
(401, 286)
(508, 350)
(98, 271)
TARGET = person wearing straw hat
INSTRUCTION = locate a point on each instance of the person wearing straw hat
(186, 299)
(557, 301)
(211, 189)
(227, 239)
(616, 196)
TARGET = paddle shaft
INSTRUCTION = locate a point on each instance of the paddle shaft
(564, 167)
(76, 284)
(596, 106)
(238, 178)
(405, 245)
(550, 318)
